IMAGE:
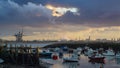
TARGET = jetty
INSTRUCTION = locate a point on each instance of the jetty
(20, 55)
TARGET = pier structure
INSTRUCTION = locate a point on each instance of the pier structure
(22, 55)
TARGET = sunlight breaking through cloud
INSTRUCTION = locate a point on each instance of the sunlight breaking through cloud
(60, 11)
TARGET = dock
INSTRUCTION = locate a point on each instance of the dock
(20, 55)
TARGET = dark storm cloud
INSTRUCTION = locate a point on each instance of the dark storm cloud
(92, 12)
(22, 2)
(27, 14)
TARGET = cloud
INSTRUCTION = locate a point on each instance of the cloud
(22, 2)
(12, 12)
(60, 11)
(31, 14)
(93, 13)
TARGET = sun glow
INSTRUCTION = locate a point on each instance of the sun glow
(60, 11)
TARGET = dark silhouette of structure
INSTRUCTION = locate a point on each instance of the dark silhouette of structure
(19, 36)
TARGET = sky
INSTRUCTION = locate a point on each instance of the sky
(60, 19)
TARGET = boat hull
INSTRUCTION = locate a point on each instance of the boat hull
(70, 60)
(97, 59)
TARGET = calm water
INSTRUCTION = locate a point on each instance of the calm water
(34, 45)
(110, 62)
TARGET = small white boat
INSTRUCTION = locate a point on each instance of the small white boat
(1, 60)
(109, 52)
(89, 51)
(73, 58)
(117, 55)
(79, 51)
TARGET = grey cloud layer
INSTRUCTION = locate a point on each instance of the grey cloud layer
(12, 13)
(30, 12)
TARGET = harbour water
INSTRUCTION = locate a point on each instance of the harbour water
(110, 62)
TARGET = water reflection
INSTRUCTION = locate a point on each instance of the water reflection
(66, 65)
(97, 61)
(117, 60)
(71, 65)
(109, 62)
(110, 58)
(97, 64)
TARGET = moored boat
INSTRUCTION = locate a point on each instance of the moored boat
(117, 55)
(109, 52)
(96, 56)
(1, 60)
(73, 58)
(97, 59)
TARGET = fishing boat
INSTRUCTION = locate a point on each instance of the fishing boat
(96, 56)
(96, 59)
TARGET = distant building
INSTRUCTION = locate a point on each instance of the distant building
(102, 40)
(88, 39)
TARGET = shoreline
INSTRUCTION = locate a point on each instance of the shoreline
(94, 45)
